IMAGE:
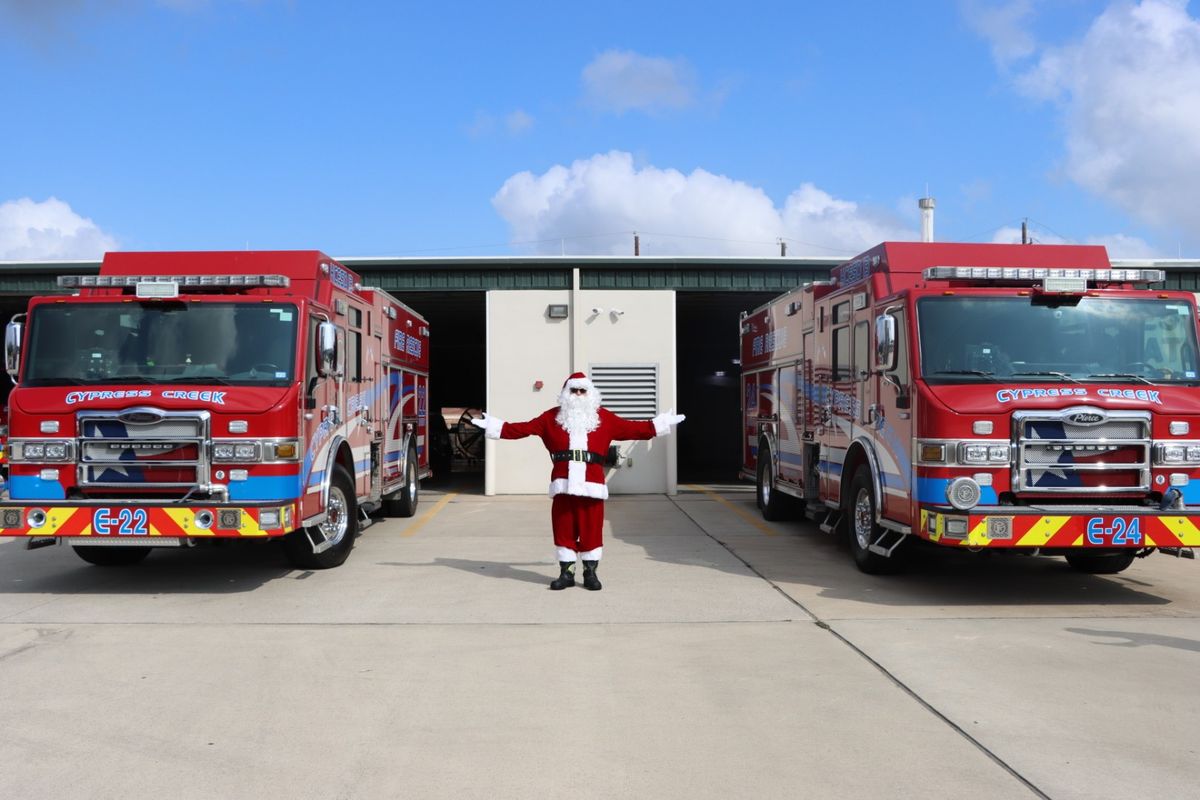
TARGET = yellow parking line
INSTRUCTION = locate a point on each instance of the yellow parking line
(416, 526)
(748, 518)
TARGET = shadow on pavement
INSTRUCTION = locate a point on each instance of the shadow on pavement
(796, 555)
(489, 569)
(1133, 639)
(228, 568)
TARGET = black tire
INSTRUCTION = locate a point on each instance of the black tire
(403, 501)
(112, 556)
(340, 528)
(1107, 564)
(859, 510)
(772, 503)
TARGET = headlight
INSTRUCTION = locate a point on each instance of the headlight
(982, 453)
(237, 452)
(34, 452)
(1177, 454)
(245, 452)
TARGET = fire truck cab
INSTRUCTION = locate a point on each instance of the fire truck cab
(1023, 398)
(179, 398)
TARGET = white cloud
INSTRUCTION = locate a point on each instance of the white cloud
(31, 231)
(513, 123)
(1119, 245)
(517, 122)
(1005, 26)
(621, 80)
(594, 205)
(1130, 90)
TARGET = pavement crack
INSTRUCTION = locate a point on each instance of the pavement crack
(908, 690)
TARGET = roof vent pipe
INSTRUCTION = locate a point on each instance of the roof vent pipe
(926, 205)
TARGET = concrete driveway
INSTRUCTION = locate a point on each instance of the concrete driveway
(725, 657)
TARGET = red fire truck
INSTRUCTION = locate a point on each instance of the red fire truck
(1024, 398)
(178, 398)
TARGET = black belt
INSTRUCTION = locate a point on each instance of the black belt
(586, 456)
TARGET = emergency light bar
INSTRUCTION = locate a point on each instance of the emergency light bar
(190, 281)
(1042, 273)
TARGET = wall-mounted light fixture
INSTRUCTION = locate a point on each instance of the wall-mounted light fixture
(597, 311)
(555, 311)
(616, 312)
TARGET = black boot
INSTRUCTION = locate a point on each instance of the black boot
(590, 581)
(566, 576)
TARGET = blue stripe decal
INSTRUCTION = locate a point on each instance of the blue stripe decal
(1191, 493)
(315, 478)
(362, 466)
(792, 458)
(933, 490)
(267, 487)
(31, 487)
(392, 456)
(829, 468)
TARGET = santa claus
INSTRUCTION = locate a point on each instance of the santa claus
(578, 432)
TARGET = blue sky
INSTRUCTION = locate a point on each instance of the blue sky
(381, 128)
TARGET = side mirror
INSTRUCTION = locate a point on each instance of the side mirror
(885, 342)
(13, 336)
(326, 349)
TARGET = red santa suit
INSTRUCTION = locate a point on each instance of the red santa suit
(577, 475)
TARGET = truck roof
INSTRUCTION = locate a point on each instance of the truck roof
(915, 257)
(309, 272)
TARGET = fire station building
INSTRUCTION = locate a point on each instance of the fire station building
(653, 333)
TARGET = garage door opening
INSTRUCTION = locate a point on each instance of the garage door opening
(707, 331)
(457, 383)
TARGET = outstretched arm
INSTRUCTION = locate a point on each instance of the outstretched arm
(494, 428)
(626, 430)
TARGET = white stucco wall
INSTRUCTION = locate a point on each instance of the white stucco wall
(524, 347)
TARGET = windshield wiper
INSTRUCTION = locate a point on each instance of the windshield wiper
(1141, 378)
(1049, 373)
(981, 373)
(216, 380)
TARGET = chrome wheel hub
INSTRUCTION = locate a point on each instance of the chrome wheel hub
(337, 521)
(863, 524)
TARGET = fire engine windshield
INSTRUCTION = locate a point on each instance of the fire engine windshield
(1117, 340)
(251, 344)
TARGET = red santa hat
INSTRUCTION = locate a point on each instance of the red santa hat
(578, 380)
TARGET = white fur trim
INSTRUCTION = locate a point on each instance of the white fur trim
(566, 554)
(580, 383)
(576, 470)
(587, 489)
(494, 424)
(591, 555)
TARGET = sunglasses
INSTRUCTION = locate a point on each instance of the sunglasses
(578, 390)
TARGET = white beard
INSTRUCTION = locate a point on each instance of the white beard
(579, 414)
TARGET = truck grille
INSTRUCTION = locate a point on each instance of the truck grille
(1082, 450)
(142, 449)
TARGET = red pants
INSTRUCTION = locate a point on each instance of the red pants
(578, 525)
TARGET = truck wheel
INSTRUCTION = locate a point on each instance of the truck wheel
(862, 527)
(403, 501)
(335, 535)
(772, 503)
(1108, 564)
(112, 556)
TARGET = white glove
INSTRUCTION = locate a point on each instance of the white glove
(663, 422)
(481, 422)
